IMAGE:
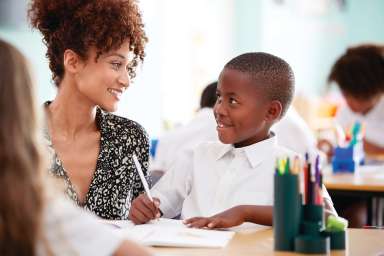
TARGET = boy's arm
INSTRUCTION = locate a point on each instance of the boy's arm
(234, 216)
(175, 185)
(168, 193)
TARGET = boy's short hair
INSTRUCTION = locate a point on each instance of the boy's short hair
(208, 96)
(271, 73)
(359, 72)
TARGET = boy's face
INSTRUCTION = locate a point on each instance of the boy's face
(361, 106)
(240, 110)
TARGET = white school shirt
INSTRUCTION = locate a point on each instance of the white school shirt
(218, 177)
(200, 129)
(373, 121)
(69, 230)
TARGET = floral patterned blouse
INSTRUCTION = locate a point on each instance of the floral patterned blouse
(115, 182)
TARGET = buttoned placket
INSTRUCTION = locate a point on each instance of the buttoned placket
(226, 179)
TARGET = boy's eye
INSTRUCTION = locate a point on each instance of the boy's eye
(232, 101)
(218, 98)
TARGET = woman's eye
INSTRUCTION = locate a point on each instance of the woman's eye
(116, 65)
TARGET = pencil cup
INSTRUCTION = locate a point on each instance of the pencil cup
(337, 239)
(310, 244)
(286, 211)
(312, 219)
(311, 239)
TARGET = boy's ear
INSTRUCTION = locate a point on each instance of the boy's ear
(72, 61)
(274, 111)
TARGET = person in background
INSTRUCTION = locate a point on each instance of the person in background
(35, 219)
(200, 129)
(359, 73)
(292, 129)
(93, 48)
(231, 181)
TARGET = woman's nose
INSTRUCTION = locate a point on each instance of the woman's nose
(124, 79)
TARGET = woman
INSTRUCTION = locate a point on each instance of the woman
(93, 48)
(34, 220)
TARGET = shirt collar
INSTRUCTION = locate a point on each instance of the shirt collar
(255, 153)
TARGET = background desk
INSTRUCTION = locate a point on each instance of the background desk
(360, 242)
(367, 182)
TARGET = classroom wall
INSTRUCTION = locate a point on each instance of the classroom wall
(190, 41)
(310, 35)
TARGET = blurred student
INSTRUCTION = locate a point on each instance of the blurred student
(35, 219)
(294, 133)
(231, 181)
(93, 48)
(200, 129)
(359, 73)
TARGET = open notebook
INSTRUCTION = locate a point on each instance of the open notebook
(172, 233)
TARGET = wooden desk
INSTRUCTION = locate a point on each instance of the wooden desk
(366, 179)
(359, 242)
(366, 183)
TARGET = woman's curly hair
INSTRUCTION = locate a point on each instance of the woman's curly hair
(360, 71)
(81, 24)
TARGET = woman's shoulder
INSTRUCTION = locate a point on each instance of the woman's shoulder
(121, 125)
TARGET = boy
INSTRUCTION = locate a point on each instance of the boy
(254, 91)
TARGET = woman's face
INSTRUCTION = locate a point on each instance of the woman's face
(103, 81)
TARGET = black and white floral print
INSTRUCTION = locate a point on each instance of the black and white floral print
(116, 181)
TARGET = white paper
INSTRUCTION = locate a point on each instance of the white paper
(173, 233)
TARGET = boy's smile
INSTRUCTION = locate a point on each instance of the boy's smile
(241, 109)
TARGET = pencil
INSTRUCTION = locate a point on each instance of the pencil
(142, 178)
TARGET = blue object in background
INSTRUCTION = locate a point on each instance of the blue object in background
(346, 159)
(152, 147)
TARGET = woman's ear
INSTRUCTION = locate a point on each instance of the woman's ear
(72, 61)
(274, 111)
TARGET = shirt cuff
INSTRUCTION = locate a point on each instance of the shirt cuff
(166, 206)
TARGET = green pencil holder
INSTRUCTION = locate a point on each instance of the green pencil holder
(313, 213)
(311, 244)
(311, 239)
(310, 228)
(286, 211)
(337, 239)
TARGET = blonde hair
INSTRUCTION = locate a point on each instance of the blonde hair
(21, 162)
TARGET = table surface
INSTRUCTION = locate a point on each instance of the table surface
(367, 178)
(260, 242)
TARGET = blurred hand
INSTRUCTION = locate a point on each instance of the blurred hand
(132, 249)
(326, 147)
(229, 218)
(143, 209)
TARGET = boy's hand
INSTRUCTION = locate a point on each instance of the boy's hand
(143, 209)
(229, 218)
